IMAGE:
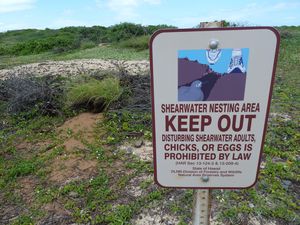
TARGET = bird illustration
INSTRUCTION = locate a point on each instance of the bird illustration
(192, 92)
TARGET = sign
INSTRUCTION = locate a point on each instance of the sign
(211, 93)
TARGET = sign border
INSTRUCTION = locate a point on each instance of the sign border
(276, 32)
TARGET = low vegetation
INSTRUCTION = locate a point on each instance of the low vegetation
(31, 41)
(93, 94)
(125, 41)
(138, 43)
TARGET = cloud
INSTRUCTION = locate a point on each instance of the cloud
(7, 6)
(125, 9)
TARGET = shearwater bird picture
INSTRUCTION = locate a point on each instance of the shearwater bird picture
(192, 92)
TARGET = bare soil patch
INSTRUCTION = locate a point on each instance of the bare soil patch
(27, 186)
(66, 169)
(73, 144)
(82, 126)
(70, 166)
(56, 208)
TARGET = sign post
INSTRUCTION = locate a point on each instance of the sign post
(201, 207)
(202, 198)
(211, 91)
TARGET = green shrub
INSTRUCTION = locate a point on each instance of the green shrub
(32, 41)
(152, 28)
(139, 43)
(3, 50)
(94, 95)
(87, 44)
(61, 42)
(95, 34)
(124, 31)
(285, 34)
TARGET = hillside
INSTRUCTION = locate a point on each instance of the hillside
(32, 45)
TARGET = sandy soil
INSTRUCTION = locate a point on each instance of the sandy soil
(75, 67)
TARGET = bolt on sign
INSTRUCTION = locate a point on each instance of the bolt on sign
(211, 93)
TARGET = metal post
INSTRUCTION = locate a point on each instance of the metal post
(201, 207)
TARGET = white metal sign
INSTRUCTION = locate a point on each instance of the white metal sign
(211, 91)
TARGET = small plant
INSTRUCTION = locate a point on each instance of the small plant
(20, 168)
(126, 124)
(94, 95)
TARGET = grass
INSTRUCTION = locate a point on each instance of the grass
(99, 52)
(105, 52)
(94, 93)
(286, 92)
(138, 43)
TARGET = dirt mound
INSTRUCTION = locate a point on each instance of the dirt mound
(72, 165)
(81, 126)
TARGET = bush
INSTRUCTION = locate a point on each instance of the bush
(138, 43)
(95, 34)
(152, 28)
(87, 44)
(125, 31)
(42, 94)
(63, 42)
(32, 41)
(93, 94)
(284, 34)
(3, 51)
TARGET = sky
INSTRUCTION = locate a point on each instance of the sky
(223, 62)
(22, 14)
